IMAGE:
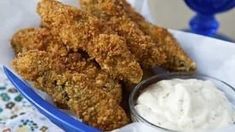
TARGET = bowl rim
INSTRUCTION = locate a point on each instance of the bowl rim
(172, 74)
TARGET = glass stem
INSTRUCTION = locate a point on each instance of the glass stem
(204, 24)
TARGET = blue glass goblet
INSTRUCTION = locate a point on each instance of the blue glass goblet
(204, 22)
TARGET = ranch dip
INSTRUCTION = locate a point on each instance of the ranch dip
(185, 105)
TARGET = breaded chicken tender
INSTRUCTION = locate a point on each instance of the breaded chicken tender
(78, 30)
(177, 59)
(90, 98)
(111, 12)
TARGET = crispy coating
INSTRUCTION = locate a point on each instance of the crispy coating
(110, 60)
(130, 86)
(33, 64)
(37, 38)
(95, 106)
(177, 59)
(61, 58)
(90, 98)
(33, 67)
(78, 30)
(111, 12)
(27, 39)
(78, 58)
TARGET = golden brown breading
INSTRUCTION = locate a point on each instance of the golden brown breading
(41, 36)
(177, 59)
(91, 99)
(130, 86)
(42, 39)
(109, 50)
(27, 39)
(79, 30)
(37, 38)
(34, 64)
(94, 106)
(112, 12)
(78, 58)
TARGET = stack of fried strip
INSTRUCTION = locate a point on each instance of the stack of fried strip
(79, 30)
(80, 57)
(126, 21)
(69, 78)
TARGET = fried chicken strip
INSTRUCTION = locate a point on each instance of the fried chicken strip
(61, 59)
(79, 30)
(111, 12)
(177, 59)
(93, 103)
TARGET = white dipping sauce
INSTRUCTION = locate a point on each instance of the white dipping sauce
(185, 105)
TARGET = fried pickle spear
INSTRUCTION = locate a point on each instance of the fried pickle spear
(61, 59)
(96, 108)
(147, 52)
(177, 59)
(79, 30)
(93, 103)
(30, 38)
(31, 66)
(38, 38)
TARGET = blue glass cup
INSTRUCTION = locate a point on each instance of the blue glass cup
(204, 22)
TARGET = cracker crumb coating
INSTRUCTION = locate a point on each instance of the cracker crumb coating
(176, 57)
(61, 60)
(147, 52)
(80, 30)
(38, 39)
(91, 98)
